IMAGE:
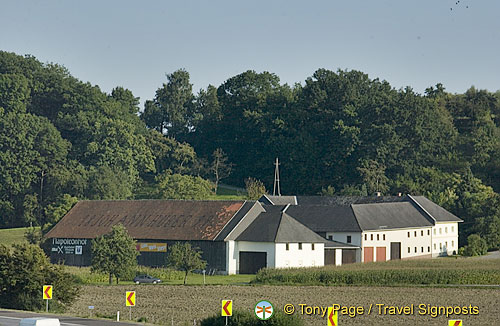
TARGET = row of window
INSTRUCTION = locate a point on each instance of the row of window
(445, 245)
(378, 237)
(421, 233)
(300, 246)
(421, 249)
(348, 239)
(445, 230)
(429, 248)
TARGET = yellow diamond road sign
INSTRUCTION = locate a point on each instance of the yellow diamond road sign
(130, 298)
(456, 322)
(227, 308)
(47, 292)
(332, 317)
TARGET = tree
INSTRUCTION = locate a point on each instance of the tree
(177, 186)
(220, 166)
(185, 258)
(172, 107)
(114, 253)
(255, 188)
(374, 176)
(24, 269)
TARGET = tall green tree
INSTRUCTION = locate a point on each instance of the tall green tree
(183, 257)
(114, 253)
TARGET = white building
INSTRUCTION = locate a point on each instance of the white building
(385, 228)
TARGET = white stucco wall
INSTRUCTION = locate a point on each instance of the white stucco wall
(342, 237)
(277, 255)
(233, 249)
(444, 238)
(294, 257)
(419, 242)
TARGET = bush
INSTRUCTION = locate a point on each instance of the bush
(23, 272)
(476, 246)
(248, 318)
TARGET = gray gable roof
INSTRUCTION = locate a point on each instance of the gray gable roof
(347, 200)
(277, 226)
(389, 216)
(437, 212)
(325, 218)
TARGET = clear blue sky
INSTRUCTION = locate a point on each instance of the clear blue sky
(134, 43)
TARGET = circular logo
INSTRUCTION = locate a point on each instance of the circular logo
(264, 310)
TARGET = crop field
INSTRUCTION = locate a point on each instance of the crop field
(162, 304)
(405, 272)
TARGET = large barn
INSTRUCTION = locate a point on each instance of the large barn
(276, 231)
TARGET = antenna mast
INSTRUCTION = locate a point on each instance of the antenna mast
(276, 189)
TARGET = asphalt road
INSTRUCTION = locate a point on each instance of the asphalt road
(12, 318)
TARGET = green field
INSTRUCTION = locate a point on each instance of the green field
(11, 236)
(441, 271)
(168, 276)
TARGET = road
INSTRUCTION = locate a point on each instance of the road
(11, 318)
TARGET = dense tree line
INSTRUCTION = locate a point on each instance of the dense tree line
(337, 133)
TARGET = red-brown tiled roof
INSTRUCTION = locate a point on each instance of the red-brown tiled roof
(147, 219)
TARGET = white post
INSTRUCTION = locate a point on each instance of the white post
(117, 316)
(204, 282)
(130, 313)
(47, 307)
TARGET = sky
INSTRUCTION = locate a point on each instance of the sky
(133, 44)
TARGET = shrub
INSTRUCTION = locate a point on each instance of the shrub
(24, 271)
(248, 318)
(476, 246)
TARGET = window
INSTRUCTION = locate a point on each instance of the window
(415, 249)
(440, 231)
(415, 233)
(452, 243)
(287, 246)
(408, 249)
(348, 239)
(422, 233)
(383, 236)
(366, 237)
(428, 232)
(440, 246)
(422, 249)
(446, 230)
(446, 244)
(378, 237)
(452, 229)
(434, 246)
(408, 234)
(429, 249)
(330, 237)
(300, 245)
(371, 237)
(312, 246)
(434, 231)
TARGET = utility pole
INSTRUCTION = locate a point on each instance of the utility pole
(276, 188)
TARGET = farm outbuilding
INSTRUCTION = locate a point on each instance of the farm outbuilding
(275, 232)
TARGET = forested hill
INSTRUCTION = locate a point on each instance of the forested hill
(337, 133)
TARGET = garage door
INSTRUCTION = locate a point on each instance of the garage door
(368, 254)
(348, 256)
(381, 253)
(330, 256)
(251, 261)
